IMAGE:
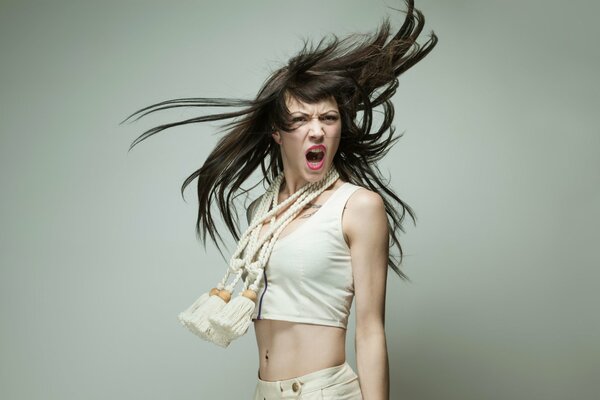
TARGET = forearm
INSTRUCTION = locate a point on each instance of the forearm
(372, 365)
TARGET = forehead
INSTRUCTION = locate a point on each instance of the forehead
(294, 105)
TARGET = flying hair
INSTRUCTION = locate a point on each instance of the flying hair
(360, 71)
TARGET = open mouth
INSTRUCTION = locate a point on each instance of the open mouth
(315, 157)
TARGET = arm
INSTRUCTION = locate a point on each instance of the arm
(249, 215)
(368, 237)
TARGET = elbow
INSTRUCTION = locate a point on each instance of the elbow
(369, 332)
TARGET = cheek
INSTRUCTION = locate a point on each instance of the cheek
(291, 147)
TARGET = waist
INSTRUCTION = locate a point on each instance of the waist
(290, 349)
(307, 383)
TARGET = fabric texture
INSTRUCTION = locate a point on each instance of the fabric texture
(339, 383)
(308, 277)
(213, 316)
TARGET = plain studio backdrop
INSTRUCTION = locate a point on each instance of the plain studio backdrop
(500, 159)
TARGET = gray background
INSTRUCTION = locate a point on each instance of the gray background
(500, 160)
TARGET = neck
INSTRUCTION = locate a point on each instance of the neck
(291, 185)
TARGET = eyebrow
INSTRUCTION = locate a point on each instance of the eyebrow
(324, 112)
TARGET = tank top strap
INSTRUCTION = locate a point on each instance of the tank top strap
(340, 197)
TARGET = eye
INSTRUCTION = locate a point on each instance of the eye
(331, 118)
(297, 121)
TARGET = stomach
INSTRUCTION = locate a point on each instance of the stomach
(291, 349)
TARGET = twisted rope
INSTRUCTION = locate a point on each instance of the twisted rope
(250, 244)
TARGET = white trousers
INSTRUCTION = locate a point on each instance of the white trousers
(339, 383)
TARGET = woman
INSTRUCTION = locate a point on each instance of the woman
(320, 235)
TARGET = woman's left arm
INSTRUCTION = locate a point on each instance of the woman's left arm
(365, 223)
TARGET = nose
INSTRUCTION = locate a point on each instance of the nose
(315, 128)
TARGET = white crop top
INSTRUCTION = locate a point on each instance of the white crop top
(308, 277)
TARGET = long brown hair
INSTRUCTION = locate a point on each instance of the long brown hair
(360, 71)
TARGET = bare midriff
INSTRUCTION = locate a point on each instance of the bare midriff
(289, 349)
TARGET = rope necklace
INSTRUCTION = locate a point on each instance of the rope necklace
(213, 316)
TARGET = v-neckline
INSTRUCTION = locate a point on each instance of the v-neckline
(282, 239)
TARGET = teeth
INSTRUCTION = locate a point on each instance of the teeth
(315, 154)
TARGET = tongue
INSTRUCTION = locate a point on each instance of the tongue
(314, 157)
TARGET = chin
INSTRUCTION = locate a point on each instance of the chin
(311, 176)
(316, 175)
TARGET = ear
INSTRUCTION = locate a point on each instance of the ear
(276, 137)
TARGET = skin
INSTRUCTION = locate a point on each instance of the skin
(314, 124)
(289, 349)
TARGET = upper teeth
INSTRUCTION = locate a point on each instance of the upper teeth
(316, 150)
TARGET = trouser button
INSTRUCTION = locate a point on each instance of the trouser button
(295, 386)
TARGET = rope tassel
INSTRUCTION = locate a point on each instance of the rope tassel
(185, 316)
(234, 319)
(198, 321)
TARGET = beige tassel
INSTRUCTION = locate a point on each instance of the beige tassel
(219, 339)
(198, 322)
(185, 316)
(233, 320)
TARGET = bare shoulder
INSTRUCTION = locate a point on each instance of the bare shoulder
(251, 208)
(364, 213)
(364, 198)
